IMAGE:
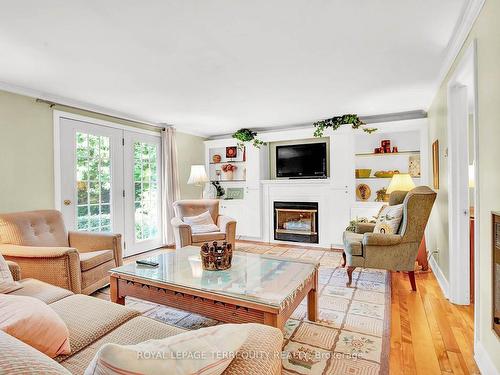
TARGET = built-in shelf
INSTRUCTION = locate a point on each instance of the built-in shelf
(228, 162)
(379, 178)
(389, 153)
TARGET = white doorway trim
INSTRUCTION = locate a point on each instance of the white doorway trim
(462, 93)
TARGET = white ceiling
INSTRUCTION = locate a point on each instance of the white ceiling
(211, 67)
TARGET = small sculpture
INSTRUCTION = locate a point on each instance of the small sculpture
(216, 258)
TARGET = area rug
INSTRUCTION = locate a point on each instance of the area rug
(351, 335)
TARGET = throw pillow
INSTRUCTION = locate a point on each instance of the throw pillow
(203, 351)
(35, 323)
(389, 219)
(7, 283)
(201, 219)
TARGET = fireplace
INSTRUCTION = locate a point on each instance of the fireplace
(296, 221)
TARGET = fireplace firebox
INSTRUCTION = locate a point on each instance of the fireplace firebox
(296, 221)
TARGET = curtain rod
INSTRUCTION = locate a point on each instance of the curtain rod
(52, 104)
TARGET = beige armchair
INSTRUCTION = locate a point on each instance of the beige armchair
(395, 252)
(182, 231)
(42, 247)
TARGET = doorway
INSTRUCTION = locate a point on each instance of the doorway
(107, 180)
(463, 182)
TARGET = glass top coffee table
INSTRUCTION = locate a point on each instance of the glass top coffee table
(256, 289)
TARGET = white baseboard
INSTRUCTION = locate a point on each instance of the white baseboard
(484, 361)
(443, 283)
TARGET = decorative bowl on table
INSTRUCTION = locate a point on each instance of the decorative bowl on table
(215, 257)
(385, 174)
(363, 173)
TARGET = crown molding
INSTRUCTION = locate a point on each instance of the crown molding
(79, 105)
(469, 14)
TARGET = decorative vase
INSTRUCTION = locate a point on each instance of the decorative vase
(228, 176)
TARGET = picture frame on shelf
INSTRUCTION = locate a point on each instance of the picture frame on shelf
(231, 152)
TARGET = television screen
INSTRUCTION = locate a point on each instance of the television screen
(301, 161)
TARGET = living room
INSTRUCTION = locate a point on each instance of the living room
(249, 187)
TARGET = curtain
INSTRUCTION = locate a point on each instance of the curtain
(170, 182)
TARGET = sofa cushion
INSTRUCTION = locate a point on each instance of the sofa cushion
(206, 351)
(34, 323)
(7, 283)
(352, 243)
(44, 292)
(20, 358)
(132, 332)
(93, 259)
(89, 318)
(207, 237)
(34, 228)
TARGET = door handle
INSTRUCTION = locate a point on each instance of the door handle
(67, 202)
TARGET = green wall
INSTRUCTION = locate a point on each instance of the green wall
(26, 153)
(487, 33)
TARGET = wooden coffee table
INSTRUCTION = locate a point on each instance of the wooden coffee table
(256, 289)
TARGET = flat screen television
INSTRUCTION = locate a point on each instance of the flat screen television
(301, 161)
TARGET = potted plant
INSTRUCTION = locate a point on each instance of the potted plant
(247, 135)
(337, 121)
(228, 170)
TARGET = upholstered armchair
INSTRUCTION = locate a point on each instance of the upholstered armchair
(395, 252)
(193, 207)
(42, 247)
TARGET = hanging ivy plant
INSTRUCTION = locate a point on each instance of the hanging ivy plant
(247, 135)
(337, 121)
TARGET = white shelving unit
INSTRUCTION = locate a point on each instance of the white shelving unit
(411, 141)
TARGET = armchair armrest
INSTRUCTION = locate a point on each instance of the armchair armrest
(182, 233)
(92, 241)
(362, 228)
(381, 239)
(225, 223)
(58, 266)
(15, 270)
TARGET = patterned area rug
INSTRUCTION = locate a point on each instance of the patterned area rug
(351, 335)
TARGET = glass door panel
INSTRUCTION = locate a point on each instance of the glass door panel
(91, 159)
(142, 194)
(93, 183)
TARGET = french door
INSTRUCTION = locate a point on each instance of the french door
(109, 182)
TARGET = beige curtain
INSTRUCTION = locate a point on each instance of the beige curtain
(170, 181)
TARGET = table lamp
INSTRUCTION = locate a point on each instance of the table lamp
(400, 182)
(198, 176)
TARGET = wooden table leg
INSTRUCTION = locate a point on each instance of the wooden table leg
(312, 300)
(271, 320)
(115, 295)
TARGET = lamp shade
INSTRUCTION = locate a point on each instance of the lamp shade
(400, 182)
(198, 175)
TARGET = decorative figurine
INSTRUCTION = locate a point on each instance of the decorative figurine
(216, 258)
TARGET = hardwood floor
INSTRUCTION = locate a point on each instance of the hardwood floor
(429, 335)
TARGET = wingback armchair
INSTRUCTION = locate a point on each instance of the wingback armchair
(40, 244)
(193, 207)
(395, 252)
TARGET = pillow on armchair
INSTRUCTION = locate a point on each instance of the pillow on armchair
(389, 219)
(202, 223)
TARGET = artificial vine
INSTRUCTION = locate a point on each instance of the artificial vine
(247, 135)
(337, 121)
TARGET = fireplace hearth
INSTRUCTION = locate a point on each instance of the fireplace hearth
(296, 221)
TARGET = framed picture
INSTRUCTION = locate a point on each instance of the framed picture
(435, 163)
(231, 152)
